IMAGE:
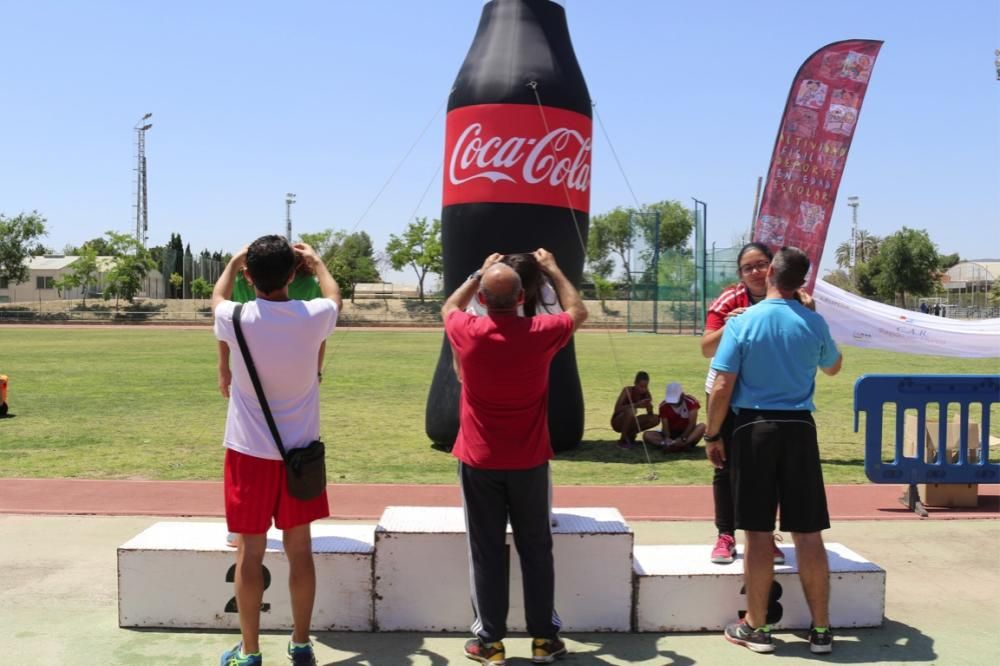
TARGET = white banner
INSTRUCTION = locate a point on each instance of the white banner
(860, 322)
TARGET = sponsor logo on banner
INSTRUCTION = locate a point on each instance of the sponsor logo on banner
(814, 137)
(518, 153)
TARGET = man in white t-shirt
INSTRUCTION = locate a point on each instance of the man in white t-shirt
(283, 337)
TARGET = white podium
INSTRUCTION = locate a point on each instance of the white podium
(422, 571)
(679, 589)
(180, 575)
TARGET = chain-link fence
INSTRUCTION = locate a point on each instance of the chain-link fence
(668, 290)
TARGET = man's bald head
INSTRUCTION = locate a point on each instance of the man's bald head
(500, 287)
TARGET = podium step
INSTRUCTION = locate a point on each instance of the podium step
(180, 575)
(411, 573)
(422, 571)
(679, 589)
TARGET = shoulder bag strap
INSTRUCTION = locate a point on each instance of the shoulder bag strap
(256, 381)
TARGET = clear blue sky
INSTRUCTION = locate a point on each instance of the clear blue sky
(324, 98)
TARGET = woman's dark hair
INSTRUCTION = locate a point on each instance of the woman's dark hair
(641, 376)
(760, 247)
(532, 278)
(270, 262)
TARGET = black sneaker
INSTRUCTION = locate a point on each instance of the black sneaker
(758, 640)
(820, 642)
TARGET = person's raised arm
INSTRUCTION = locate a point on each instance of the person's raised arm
(327, 285)
(569, 297)
(223, 289)
(461, 297)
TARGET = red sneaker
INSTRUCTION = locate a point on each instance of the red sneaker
(724, 551)
(779, 556)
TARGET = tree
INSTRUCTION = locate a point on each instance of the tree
(949, 260)
(17, 234)
(186, 271)
(84, 271)
(866, 249)
(676, 224)
(350, 257)
(908, 262)
(840, 278)
(176, 283)
(613, 235)
(352, 261)
(173, 262)
(420, 248)
(131, 264)
(610, 235)
(201, 288)
(65, 283)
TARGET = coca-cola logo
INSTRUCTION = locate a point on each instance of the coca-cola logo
(496, 158)
(518, 153)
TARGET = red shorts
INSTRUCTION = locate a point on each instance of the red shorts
(256, 492)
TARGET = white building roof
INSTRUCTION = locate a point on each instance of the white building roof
(56, 262)
(974, 271)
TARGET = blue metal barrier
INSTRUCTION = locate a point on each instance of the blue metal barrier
(916, 392)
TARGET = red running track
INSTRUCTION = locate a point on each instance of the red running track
(368, 501)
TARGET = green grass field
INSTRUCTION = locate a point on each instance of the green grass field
(127, 403)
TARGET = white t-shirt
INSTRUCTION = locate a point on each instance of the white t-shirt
(284, 339)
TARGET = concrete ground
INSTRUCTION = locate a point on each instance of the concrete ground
(58, 605)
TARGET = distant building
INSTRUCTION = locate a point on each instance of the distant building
(44, 271)
(977, 275)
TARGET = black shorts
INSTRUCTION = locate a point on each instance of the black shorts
(775, 462)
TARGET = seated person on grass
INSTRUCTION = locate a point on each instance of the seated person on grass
(679, 427)
(626, 418)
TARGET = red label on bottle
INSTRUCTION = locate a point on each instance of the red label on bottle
(517, 153)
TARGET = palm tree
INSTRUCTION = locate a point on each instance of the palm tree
(866, 247)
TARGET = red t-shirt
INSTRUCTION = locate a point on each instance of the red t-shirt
(504, 408)
(679, 416)
(735, 296)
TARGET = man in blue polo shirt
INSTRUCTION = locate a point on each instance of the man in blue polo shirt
(767, 364)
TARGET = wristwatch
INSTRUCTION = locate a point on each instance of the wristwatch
(475, 275)
(713, 438)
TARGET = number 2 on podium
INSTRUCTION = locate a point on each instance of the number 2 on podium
(231, 578)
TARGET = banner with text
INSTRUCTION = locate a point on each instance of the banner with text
(814, 137)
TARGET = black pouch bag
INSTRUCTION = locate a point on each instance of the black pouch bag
(305, 468)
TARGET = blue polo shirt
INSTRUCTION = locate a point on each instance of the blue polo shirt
(774, 348)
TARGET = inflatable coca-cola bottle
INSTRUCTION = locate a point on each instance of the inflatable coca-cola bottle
(516, 178)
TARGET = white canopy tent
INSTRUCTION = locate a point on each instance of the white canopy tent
(860, 322)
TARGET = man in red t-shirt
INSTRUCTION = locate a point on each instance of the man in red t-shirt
(503, 445)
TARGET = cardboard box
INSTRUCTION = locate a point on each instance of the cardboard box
(943, 494)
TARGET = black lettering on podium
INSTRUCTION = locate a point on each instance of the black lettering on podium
(231, 578)
(774, 609)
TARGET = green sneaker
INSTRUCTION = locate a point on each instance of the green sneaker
(233, 658)
(301, 655)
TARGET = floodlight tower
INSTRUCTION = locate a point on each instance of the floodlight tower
(853, 203)
(141, 199)
(289, 200)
